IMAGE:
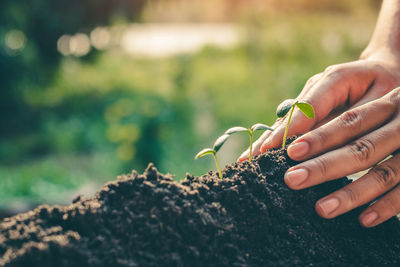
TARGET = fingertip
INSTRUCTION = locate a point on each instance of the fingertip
(298, 149)
(326, 208)
(319, 210)
(264, 148)
(241, 159)
(266, 145)
(369, 219)
(244, 156)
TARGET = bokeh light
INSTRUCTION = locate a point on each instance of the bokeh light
(15, 40)
(100, 38)
(63, 45)
(160, 40)
(77, 45)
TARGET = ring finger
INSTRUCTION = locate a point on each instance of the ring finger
(376, 182)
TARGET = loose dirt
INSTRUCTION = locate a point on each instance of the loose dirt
(250, 218)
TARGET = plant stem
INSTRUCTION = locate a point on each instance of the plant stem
(251, 145)
(216, 163)
(287, 126)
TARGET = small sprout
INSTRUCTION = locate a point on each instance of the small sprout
(222, 139)
(213, 151)
(289, 105)
(255, 127)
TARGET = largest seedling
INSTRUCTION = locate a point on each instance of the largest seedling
(290, 105)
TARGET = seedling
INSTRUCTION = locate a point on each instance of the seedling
(250, 131)
(290, 105)
(213, 151)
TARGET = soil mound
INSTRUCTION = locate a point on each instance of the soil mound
(250, 218)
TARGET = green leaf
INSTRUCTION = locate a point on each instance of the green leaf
(284, 107)
(220, 141)
(306, 108)
(235, 130)
(260, 126)
(204, 152)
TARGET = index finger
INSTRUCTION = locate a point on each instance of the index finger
(346, 127)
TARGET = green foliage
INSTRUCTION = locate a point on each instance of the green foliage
(58, 113)
(290, 105)
(306, 108)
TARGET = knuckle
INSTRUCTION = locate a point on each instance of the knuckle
(351, 119)
(333, 71)
(350, 194)
(362, 149)
(377, 66)
(385, 175)
(330, 68)
(395, 97)
(322, 166)
(312, 79)
(320, 137)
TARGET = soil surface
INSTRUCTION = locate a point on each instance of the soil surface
(250, 218)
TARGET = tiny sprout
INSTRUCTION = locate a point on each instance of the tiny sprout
(250, 131)
(289, 105)
(213, 151)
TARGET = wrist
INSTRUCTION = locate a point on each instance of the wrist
(385, 54)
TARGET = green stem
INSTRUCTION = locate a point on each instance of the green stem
(287, 126)
(251, 145)
(216, 163)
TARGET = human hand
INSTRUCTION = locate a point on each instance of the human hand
(356, 140)
(338, 88)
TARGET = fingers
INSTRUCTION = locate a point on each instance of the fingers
(344, 128)
(339, 85)
(382, 210)
(373, 145)
(257, 144)
(376, 182)
(354, 157)
(256, 148)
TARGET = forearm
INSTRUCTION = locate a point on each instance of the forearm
(385, 40)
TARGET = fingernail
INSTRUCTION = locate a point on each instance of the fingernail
(298, 149)
(329, 205)
(243, 157)
(296, 177)
(369, 218)
(265, 146)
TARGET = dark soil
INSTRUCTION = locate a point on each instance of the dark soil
(250, 218)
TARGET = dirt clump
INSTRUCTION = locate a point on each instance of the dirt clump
(250, 218)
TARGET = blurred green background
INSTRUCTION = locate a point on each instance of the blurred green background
(91, 89)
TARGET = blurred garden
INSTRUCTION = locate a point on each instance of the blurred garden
(92, 89)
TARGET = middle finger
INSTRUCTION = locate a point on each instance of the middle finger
(344, 128)
(376, 182)
(354, 157)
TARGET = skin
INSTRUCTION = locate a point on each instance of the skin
(356, 126)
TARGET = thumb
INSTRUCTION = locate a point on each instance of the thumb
(335, 88)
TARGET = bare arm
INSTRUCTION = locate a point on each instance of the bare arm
(386, 37)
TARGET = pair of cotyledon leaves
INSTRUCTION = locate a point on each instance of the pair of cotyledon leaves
(286, 105)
